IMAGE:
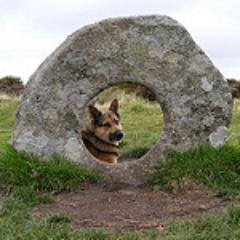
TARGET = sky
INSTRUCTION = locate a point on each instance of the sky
(30, 30)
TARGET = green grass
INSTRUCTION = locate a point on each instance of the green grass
(142, 124)
(234, 130)
(219, 169)
(16, 223)
(23, 170)
(215, 168)
(32, 181)
(213, 228)
(7, 118)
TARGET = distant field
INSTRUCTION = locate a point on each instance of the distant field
(234, 130)
(8, 110)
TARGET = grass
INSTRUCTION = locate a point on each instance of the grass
(234, 130)
(212, 228)
(32, 181)
(7, 118)
(16, 223)
(218, 169)
(22, 170)
(142, 123)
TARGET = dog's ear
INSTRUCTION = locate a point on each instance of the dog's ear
(94, 113)
(114, 106)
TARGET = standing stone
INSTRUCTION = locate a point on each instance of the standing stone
(154, 51)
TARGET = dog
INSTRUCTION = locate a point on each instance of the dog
(103, 133)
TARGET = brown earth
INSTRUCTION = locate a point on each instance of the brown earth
(132, 208)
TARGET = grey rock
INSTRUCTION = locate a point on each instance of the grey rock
(155, 51)
(206, 85)
(218, 137)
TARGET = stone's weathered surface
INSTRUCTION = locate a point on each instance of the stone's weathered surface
(155, 51)
(207, 86)
(218, 137)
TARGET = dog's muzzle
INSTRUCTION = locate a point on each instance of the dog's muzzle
(117, 136)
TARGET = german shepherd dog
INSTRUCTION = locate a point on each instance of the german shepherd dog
(103, 133)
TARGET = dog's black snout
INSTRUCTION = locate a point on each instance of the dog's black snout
(119, 136)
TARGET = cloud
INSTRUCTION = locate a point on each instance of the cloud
(32, 29)
(61, 16)
(22, 47)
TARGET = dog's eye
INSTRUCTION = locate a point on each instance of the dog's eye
(107, 125)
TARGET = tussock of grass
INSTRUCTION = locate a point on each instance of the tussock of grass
(22, 170)
(101, 235)
(217, 168)
(30, 197)
(212, 228)
(59, 218)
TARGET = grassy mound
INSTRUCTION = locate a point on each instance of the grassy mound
(217, 168)
(24, 170)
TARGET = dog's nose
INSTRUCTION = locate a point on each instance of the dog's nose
(118, 135)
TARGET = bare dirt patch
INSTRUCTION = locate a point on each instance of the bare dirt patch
(131, 208)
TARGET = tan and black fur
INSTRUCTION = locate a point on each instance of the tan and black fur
(103, 133)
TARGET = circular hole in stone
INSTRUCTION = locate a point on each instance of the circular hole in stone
(141, 119)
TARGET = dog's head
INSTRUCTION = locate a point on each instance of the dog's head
(106, 126)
